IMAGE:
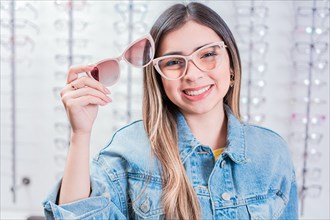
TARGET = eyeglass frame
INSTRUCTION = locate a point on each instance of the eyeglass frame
(122, 56)
(187, 59)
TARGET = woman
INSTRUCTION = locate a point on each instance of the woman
(190, 157)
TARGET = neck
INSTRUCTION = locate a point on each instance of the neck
(210, 129)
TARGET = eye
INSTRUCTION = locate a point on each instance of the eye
(172, 63)
(209, 54)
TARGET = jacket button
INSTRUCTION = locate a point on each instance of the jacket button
(222, 164)
(225, 196)
(145, 206)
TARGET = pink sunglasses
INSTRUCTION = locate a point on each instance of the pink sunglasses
(139, 54)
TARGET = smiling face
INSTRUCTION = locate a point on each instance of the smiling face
(198, 92)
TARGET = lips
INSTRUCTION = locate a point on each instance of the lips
(196, 91)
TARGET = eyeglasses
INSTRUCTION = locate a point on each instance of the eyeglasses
(248, 11)
(307, 100)
(257, 85)
(304, 11)
(61, 127)
(311, 30)
(259, 67)
(62, 24)
(61, 144)
(317, 65)
(313, 191)
(138, 54)
(255, 101)
(138, 27)
(313, 154)
(259, 48)
(174, 67)
(312, 173)
(19, 40)
(308, 48)
(316, 83)
(20, 6)
(60, 159)
(136, 8)
(20, 23)
(68, 5)
(314, 120)
(254, 119)
(64, 59)
(256, 32)
(139, 10)
(313, 137)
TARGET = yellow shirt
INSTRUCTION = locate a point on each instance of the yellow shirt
(217, 152)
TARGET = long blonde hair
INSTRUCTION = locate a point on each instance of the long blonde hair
(159, 113)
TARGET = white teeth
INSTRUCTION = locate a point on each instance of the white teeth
(197, 92)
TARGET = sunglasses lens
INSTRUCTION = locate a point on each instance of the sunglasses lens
(140, 54)
(106, 72)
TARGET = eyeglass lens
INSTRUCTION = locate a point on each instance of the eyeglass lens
(139, 54)
(208, 58)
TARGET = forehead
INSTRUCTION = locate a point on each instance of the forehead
(187, 38)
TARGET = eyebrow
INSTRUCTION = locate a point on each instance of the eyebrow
(180, 53)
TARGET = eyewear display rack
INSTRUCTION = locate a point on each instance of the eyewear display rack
(130, 26)
(312, 48)
(63, 131)
(13, 39)
(13, 95)
(129, 71)
(251, 32)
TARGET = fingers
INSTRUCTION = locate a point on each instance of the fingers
(86, 91)
(75, 70)
(84, 101)
(84, 82)
(82, 91)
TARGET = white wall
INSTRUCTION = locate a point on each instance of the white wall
(36, 68)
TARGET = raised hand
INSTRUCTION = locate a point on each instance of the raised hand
(81, 98)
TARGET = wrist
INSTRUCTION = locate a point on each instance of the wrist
(80, 137)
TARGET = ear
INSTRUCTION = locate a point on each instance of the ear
(232, 77)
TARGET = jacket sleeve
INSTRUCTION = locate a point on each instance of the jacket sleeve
(103, 203)
(291, 210)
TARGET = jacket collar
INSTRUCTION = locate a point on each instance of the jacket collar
(235, 149)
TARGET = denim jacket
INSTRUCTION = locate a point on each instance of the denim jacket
(252, 179)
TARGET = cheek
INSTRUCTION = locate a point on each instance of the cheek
(224, 73)
(222, 77)
(169, 87)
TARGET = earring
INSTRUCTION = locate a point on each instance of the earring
(232, 78)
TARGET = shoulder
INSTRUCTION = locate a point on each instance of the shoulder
(131, 132)
(259, 130)
(124, 151)
(258, 135)
(266, 145)
(129, 139)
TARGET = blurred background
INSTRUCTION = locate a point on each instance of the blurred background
(284, 49)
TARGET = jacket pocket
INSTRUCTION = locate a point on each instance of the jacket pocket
(145, 193)
(266, 206)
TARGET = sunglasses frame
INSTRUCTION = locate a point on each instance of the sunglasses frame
(122, 56)
(187, 59)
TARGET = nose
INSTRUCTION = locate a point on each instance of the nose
(193, 73)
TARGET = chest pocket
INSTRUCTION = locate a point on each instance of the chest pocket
(145, 193)
(266, 207)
